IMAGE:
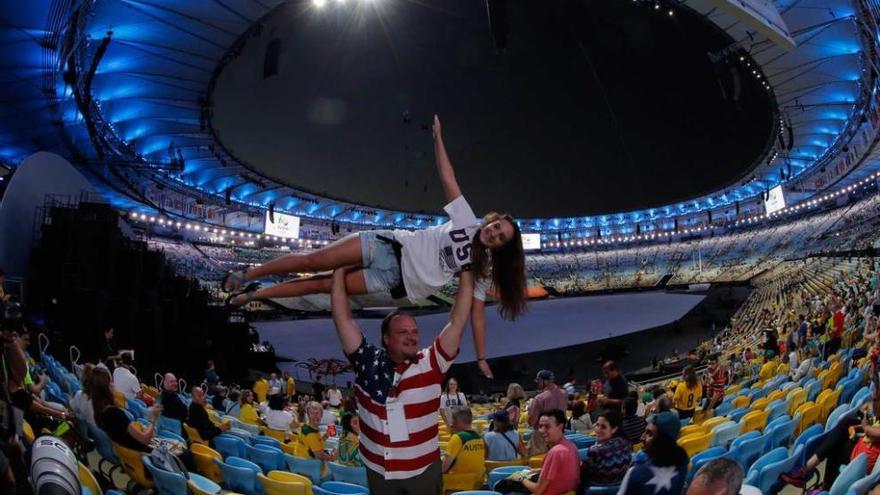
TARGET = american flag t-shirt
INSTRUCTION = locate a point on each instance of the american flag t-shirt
(417, 385)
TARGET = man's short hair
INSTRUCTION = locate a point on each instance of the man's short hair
(386, 322)
(556, 414)
(462, 414)
(126, 359)
(610, 366)
(722, 469)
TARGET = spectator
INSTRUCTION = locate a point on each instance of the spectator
(806, 365)
(551, 397)
(383, 373)
(688, 393)
(664, 468)
(114, 421)
(310, 433)
(211, 377)
(218, 401)
(248, 410)
(610, 457)
(718, 477)
(349, 445)
(172, 406)
(451, 399)
(233, 405)
(108, 346)
(633, 424)
(275, 384)
(327, 417)
(569, 386)
(124, 380)
(580, 421)
(318, 389)
(615, 386)
(560, 472)
(513, 402)
(717, 377)
(503, 442)
(198, 417)
(466, 452)
(261, 388)
(290, 385)
(277, 418)
(334, 396)
(81, 402)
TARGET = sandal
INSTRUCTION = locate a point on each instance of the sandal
(233, 281)
(249, 294)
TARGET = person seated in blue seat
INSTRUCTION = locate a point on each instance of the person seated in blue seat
(114, 421)
(172, 406)
(561, 469)
(663, 468)
(503, 442)
(198, 417)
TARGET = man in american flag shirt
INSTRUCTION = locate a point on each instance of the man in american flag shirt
(398, 390)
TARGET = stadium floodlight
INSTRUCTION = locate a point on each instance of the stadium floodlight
(319, 3)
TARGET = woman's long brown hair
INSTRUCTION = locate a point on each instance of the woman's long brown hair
(506, 266)
(101, 393)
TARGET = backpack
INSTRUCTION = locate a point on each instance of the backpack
(162, 458)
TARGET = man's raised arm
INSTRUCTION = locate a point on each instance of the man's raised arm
(450, 337)
(349, 334)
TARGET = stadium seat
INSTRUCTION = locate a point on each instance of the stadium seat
(754, 420)
(764, 473)
(203, 459)
(490, 465)
(276, 434)
(809, 440)
(724, 433)
(691, 429)
(813, 388)
(268, 458)
(759, 404)
(702, 458)
(849, 474)
(348, 474)
(536, 461)
(806, 415)
(268, 441)
(193, 435)
(169, 424)
(694, 443)
(779, 433)
(746, 449)
(864, 485)
(835, 415)
(284, 483)
(204, 489)
(501, 473)
(776, 409)
(828, 404)
(166, 482)
(462, 481)
(133, 465)
(798, 396)
(229, 445)
(338, 487)
(605, 489)
(712, 423)
(310, 468)
(239, 475)
(861, 395)
(88, 480)
(848, 388)
(737, 414)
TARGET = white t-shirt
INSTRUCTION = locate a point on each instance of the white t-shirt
(455, 400)
(278, 420)
(328, 418)
(334, 397)
(125, 382)
(431, 257)
(81, 405)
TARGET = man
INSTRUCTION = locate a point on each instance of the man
(172, 406)
(334, 396)
(615, 386)
(399, 444)
(551, 397)
(569, 386)
(561, 470)
(275, 384)
(290, 385)
(211, 377)
(633, 424)
(199, 419)
(318, 389)
(125, 381)
(261, 388)
(716, 378)
(466, 452)
(718, 477)
(802, 330)
(806, 364)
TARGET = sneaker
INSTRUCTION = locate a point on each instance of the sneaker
(797, 478)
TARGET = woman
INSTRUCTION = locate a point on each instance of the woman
(81, 402)
(610, 457)
(503, 442)
(114, 421)
(277, 418)
(662, 454)
(405, 263)
(688, 393)
(451, 399)
(248, 411)
(515, 396)
(580, 421)
(310, 433)
(349, 452)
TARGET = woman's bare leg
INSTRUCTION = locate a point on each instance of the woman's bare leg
(343, 252)
(355, 285)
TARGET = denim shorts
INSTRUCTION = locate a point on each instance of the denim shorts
(381, 269)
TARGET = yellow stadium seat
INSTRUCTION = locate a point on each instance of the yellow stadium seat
(276, 434)
(754, 420)
(731, 389)
(28, 432)
(193, 435)
(691, 429)
(798, 396)
(133, 465)
(828, 403)
(490, 465)
(151, 391)
(119, 399)
(293, 449)
(760, 403)
(712, 422)
(741, 401)
(809, 412)
(284, 483)
(87, 479)
(536, 461)
(203, 459)
(776, 394)
(695, 443)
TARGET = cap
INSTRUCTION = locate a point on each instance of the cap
(667, 423)
(545, 375)
(501, 415)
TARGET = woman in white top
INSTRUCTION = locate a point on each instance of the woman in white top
(411, 264)
(334, 396)
(451, 399)
(276, 417)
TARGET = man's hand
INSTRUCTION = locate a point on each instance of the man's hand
(436, 130)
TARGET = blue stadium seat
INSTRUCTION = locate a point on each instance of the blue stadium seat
(849, 474)
(229, 445)
(167, 483)
(310, 468)
(737, 414)
(349, 474)
(861, 395)
(864, 485)
(268, 458)
(498, 474)
(809, 439)
(764, 473)
(268, 441)
(778, 408)
(724, 434)
(702, 458)
(240, 475)
(343, 488)
(169, 424)
(746, 449)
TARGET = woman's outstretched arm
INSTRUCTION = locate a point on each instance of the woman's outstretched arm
(478, 327)
(444, 166)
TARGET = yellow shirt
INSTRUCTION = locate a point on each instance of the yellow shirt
(261, 388)
(291, 385)
(248, 414)
(312, 439)
(469, 451)
(768, 371)
(686, 399)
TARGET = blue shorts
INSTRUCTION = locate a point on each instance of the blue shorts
(381, 269)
